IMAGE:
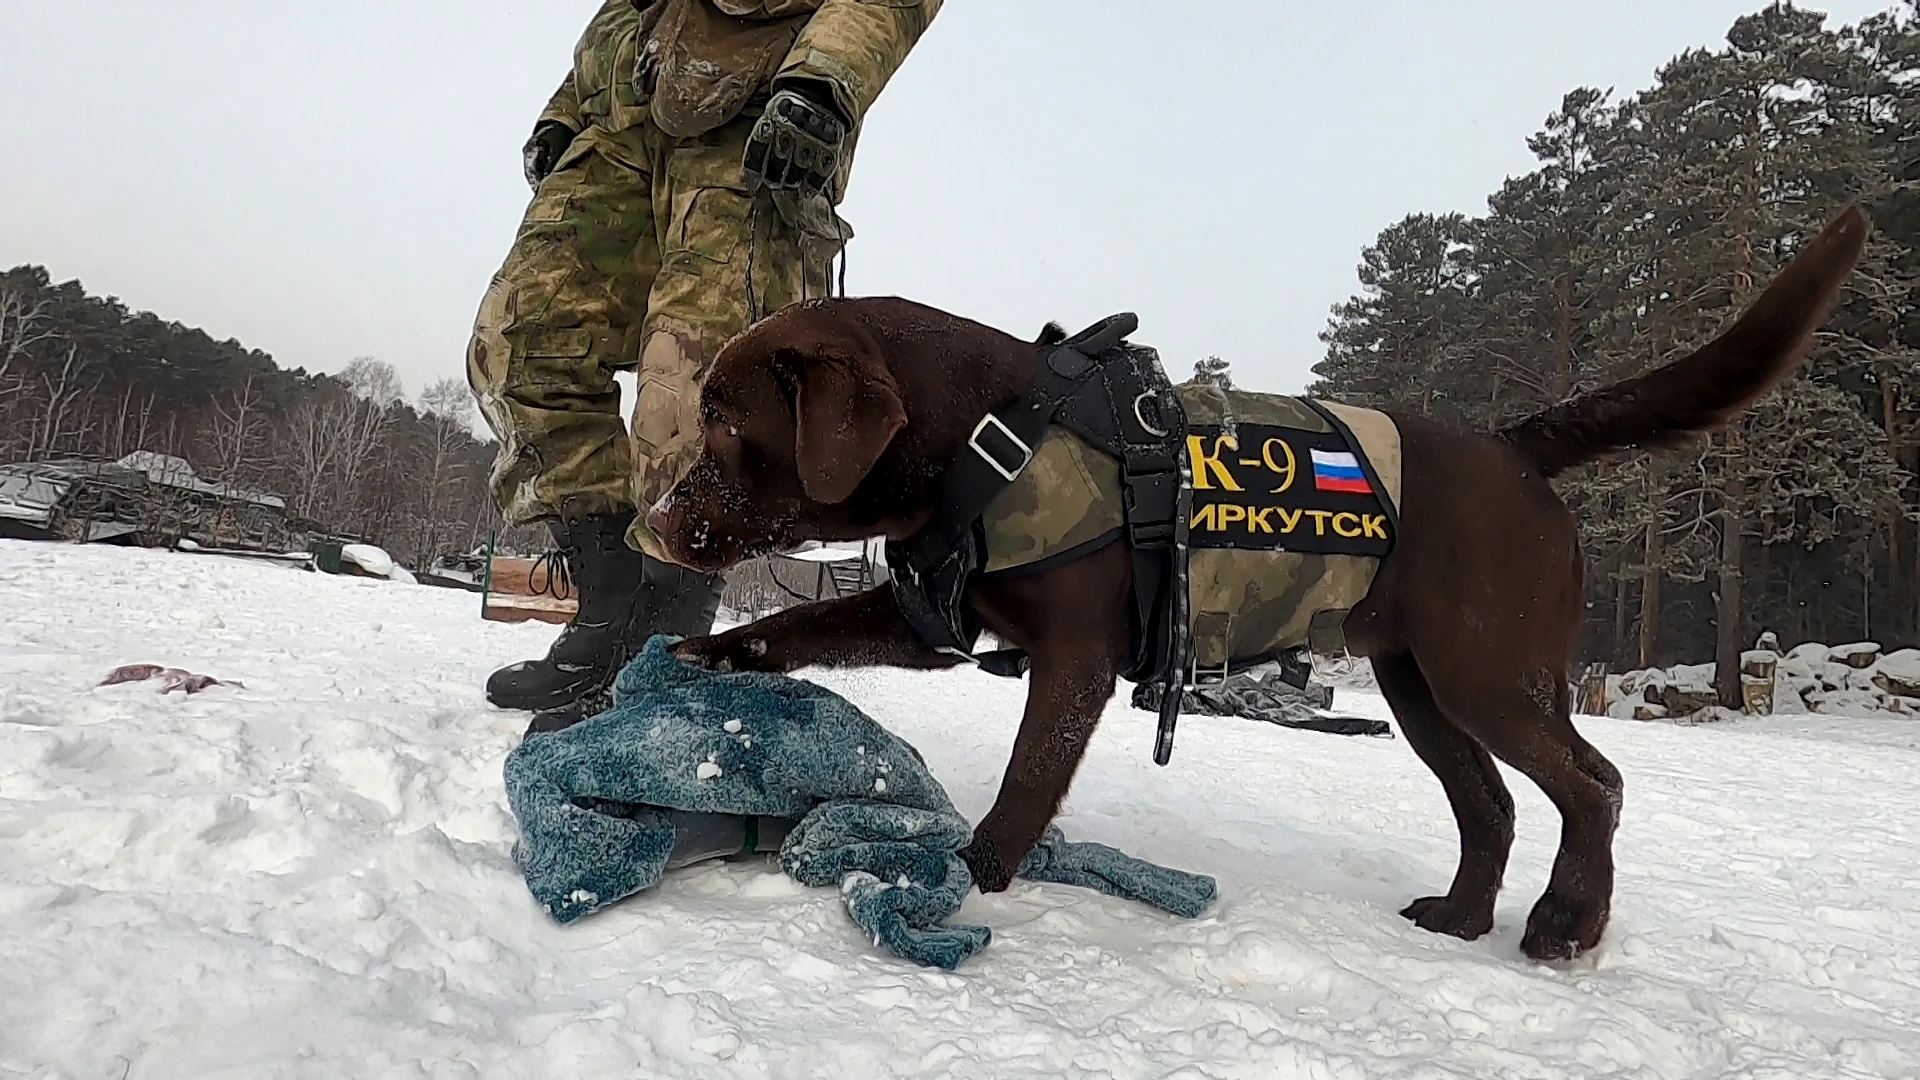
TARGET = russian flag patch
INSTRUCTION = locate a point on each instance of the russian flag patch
(1337, 470)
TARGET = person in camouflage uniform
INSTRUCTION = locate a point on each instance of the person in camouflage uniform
(685, 177)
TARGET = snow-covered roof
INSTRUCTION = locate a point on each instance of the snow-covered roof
(170, 471)
(30, 496)
(29, 491)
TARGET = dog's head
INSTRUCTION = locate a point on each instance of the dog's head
(797, 412)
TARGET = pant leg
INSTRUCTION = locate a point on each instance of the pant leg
(727, 259)
(560, 317)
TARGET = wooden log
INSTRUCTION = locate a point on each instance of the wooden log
(1859, 656)
(513, 607)
(1681, 702)
(1758, 669)
(1592, 699)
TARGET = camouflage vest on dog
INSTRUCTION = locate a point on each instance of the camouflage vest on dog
(1287, 530)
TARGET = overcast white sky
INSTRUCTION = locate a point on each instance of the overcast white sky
(329, 179)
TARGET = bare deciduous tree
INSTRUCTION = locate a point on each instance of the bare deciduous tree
(62, 414)
(130, 423)
(239, 429)
(374, 381)
(333, 438)
(447, 406)
(24, 323)
(448, 398)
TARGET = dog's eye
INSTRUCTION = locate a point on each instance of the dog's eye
(732, 432)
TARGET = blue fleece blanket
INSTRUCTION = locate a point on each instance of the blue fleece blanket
(870, 818)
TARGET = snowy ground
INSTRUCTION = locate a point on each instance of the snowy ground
(310, 877)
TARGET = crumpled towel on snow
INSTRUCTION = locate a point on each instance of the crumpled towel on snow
(171, 678)
(871, 818)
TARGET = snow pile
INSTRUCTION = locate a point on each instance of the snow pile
(311, 876)
(1844, 680)
(376, 562)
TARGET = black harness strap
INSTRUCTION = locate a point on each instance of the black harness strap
(1116, 396)
(1138, 420)
(930, 569)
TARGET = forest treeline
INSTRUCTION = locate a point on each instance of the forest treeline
(83, 377)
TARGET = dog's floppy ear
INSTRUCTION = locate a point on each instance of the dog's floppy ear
(847, 409)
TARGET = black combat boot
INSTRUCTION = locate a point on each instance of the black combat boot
(608, 578)
(673, 600)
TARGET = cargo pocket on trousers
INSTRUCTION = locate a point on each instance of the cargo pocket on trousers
(558, 358)
(489, 358)
(708, 225)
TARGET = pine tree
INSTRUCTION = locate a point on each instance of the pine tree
(1645, 229)
(1753, 132)
(1886, 112)
(1540, 279)
(1546, 277)
(1409, 338)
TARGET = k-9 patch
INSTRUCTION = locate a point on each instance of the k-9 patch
(1260, 487)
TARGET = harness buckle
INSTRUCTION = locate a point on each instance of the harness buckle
(1019, 446)
(1150, 506)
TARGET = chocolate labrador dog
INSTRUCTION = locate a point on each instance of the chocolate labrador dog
(834, 420)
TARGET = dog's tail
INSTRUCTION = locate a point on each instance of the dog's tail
(1670, 405)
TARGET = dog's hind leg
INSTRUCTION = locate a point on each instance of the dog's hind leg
(1523, 717)
(1482, 805)
(1484, 592)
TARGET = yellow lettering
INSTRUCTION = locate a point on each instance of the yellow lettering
(1288, 470)
(1231, 513)
(1374, 526)
(1202, 463)
(1257, 519)
(1319, 521)
(1208, 518)
(1289, 519)
(1350, 531)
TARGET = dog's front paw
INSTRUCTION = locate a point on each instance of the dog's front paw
(990, 872)
(1444, 915)
(734, 650)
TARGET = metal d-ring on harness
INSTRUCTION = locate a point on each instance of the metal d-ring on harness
(1115, 396)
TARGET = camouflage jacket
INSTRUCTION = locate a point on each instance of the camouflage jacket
(707, 61)
(1284, 539)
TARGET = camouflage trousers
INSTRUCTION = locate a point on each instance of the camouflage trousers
(643, 253)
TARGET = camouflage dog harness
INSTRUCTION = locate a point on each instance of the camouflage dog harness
(1256, 522)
